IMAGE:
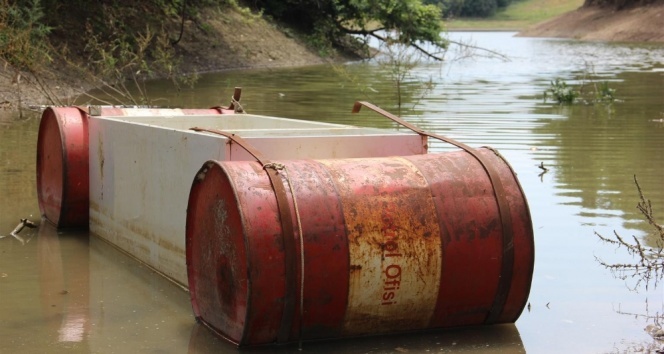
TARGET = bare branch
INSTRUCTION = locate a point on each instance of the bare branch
(645, 207)
(492, 53)
(650, 264)
(374, 33)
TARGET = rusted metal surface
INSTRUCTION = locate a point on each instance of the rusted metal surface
(62, 158)
(390, 244)
(286, 221)
(507, 237)
(62, 166)
(393, 241)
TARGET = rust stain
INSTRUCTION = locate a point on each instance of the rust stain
(393, 238)
(355, 267)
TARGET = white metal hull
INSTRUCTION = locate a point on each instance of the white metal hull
(141, 170)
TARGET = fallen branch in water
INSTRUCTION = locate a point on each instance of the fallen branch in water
(24, 223)
(544, 170)
(650, 260)
(541, 166)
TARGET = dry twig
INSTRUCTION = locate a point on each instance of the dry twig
(22, 224)
(649, 266)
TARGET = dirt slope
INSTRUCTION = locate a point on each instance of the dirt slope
(220, 40)
(638, 24)
(233, 40)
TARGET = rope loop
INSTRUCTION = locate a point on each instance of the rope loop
(275, 166)
(237, 107)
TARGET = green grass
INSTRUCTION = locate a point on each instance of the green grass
(518, 15)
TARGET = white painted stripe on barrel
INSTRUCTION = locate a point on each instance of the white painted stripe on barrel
(394, 244)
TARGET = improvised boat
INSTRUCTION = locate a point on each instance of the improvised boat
(286, 230)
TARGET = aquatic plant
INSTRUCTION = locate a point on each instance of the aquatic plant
(604, 94)
(599, 92)
(560, 92)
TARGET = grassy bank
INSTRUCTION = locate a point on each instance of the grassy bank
(518, 15)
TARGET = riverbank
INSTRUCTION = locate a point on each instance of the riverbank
(636, 24)
(230, 40)
(236, 40)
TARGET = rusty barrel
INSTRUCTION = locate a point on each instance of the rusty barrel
(62, 158)
(388, 245)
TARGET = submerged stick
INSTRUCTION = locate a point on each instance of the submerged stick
(24, 223)
(541, 166)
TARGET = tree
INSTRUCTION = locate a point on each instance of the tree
(479, 8)
(409, 22)
(469, 8)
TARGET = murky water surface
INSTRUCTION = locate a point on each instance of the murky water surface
(67, 292)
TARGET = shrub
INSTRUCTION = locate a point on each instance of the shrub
(23, 37)
(561, 93)
(603, 93)
(479, 8)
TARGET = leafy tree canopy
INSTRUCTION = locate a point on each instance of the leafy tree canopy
(469, 8)
(409, 22)
(125, 35)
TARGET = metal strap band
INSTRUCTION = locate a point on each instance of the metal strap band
(85, 110)
(507, 261)
(287, 228)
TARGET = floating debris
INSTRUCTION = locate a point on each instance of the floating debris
(655, 331)
(541, 166)
(22, 224)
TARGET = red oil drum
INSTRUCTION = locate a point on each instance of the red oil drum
(62, 166)
(388, 245)
(62, 158)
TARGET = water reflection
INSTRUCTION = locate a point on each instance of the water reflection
(65, 304)
(647, 266)
(80, 294)
(609, 145)
(493, 339)
(70, 293)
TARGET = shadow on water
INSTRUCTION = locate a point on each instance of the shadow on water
(82, 295)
